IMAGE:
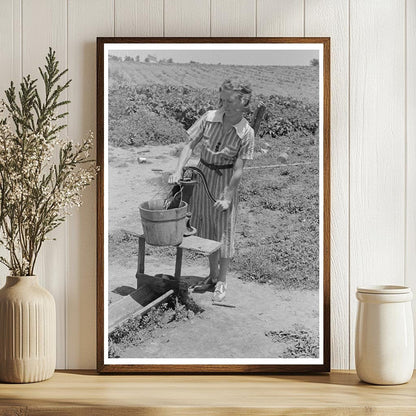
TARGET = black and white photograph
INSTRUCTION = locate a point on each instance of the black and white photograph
(213, 204)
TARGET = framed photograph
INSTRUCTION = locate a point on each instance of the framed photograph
(213, 222)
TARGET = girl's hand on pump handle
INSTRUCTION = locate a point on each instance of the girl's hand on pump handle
(174, 178)
(222, 205)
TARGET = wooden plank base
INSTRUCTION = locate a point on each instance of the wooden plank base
(135, 304)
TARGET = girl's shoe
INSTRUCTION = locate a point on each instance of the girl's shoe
(219, 291)
(206, 285)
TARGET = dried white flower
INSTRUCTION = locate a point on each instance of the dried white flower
(42, 175)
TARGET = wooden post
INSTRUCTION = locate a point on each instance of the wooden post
(178, 264)
(140, 259)
(257, 117)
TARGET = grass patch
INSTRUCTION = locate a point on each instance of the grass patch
(300, 342)
(278, 227)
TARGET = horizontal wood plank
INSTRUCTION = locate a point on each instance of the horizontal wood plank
(200, 245)
(137, 303)
(192, 243)
(86, 393)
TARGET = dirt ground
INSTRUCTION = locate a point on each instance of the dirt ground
(219, 331)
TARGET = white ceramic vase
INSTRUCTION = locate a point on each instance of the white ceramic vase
(384, 352)
(27, 331)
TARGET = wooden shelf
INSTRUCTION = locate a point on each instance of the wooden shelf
(86, 393)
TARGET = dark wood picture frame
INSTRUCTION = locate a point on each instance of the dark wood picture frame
(104, 367)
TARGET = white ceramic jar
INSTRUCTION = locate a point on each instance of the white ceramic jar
(384, 352)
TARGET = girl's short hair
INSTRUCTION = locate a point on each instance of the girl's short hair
(241, 86)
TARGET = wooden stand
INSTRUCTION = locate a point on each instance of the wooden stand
(163, 283)
(153, 290)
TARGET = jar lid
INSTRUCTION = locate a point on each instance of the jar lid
(384, 289)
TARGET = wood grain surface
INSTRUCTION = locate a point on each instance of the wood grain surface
(280, 18)
(186, 18)
(85, 393)
(377, 148)
(81, 259)
(138, 17)
(410, 229)
(51, 16)
(233, 18)
(331, 18)
(11, 65)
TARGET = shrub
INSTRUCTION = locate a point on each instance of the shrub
(144, 127)
(135, 112)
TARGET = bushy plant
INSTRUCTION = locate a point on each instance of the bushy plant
(144, 127)
(159, 114)
(36, 193)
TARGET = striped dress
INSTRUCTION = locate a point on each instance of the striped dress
(217, 149)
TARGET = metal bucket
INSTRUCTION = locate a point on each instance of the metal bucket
(163, 227)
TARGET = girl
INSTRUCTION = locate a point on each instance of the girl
(227, 142)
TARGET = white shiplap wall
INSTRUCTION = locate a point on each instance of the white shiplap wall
(373, 132)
